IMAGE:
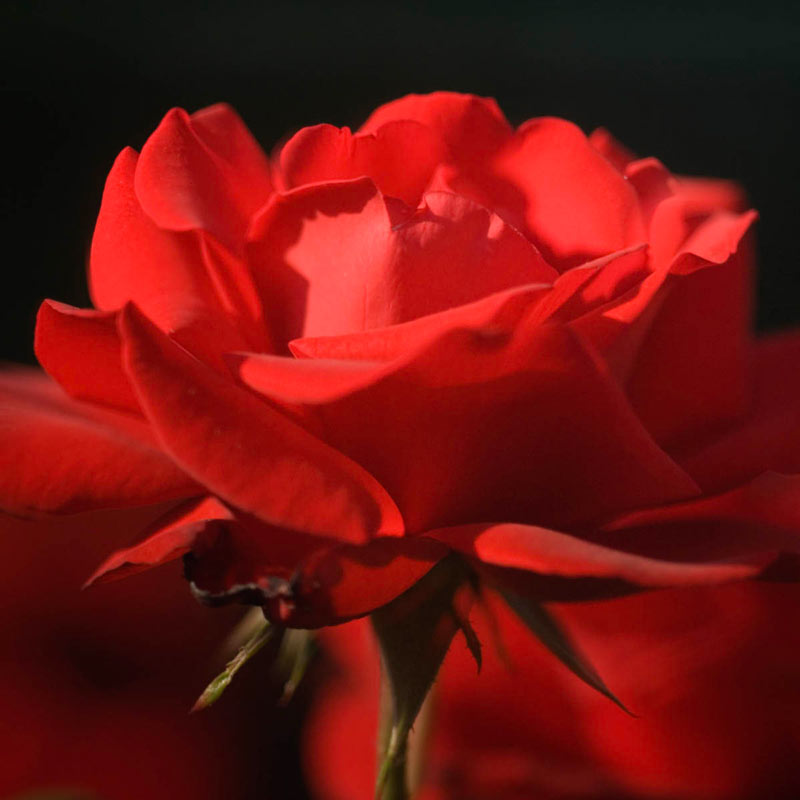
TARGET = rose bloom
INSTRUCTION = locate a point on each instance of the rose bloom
(437, 334)
(95, 687)
(712, 673)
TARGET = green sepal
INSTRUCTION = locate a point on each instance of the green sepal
(263, 634)
(549, 632)
(297, 651)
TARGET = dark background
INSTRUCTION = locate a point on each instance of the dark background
(710, 89)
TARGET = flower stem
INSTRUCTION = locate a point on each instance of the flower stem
(391, 782)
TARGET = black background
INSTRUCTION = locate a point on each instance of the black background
(708, 88)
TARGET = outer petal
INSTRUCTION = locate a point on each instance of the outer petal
(246, 451)
(399, 156)
(576, 205)
(62, 456)
(704, 196)
(692, 371)
(545, 552)
(768, 438)
(614, 151)
(167, 538)
(652, 182)
(203, 172)
(591, 287)
(759, 519)
(473, 128)
(81, 350)
(162, 272)
(301, 580)
(335, 258)
(514, 421)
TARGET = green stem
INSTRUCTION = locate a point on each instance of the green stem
(392, 780)
(392, 783)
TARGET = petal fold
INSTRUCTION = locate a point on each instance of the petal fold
(203, 172)
(516, 420)
(163, 272)
(245, 450)
(576, 205)
(167, 538)
(80, 349)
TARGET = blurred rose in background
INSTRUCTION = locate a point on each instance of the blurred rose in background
(96, 686)
(713, 675)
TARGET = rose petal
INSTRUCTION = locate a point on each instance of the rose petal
(399, 156)
(169, 537)
(692, 371)
(768, 438)
(332, 367)
(705, 196)
(614, 151)
(516, 421)
(397, 341)
(164, 273)
(592, 286)
(63, 456)
(339, 257)
(309, 381)
(246, 451)
(548, 552)
(653, 183)
(81, 350)
(577, 206)
(759, 518)
(222, 131)
(203, 173)
(473, 128)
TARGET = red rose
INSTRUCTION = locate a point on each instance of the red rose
(436, 334)
(95, 686)
(711, 671)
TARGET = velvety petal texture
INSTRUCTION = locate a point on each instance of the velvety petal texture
(245, 450)
(60, 455)
(434, 334)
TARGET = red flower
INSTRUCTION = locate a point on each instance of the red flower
(711, 672)
(436, 334)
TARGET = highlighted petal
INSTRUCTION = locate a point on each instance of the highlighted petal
(339, 257)
(81, 350)
(473, 128)
(577, 206)
(164, 273)
(203, 173)
(549, 553)
(399, 156)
